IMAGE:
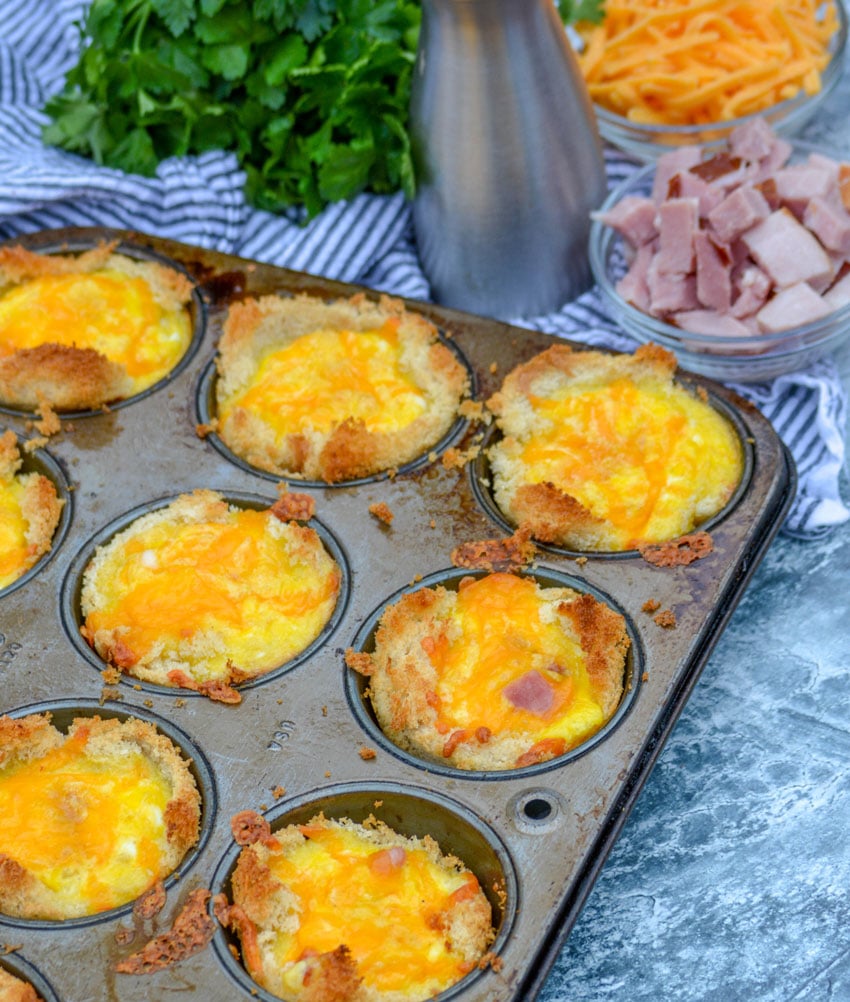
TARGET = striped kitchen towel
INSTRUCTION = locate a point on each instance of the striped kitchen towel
(367, 240)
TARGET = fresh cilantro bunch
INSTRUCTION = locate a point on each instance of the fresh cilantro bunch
(312, 95)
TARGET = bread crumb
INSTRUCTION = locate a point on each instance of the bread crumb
(324, 711)
(327, 775)
(651, 605)
(108, 694)
(432, 456)
(473, 410)
(148, 703)
(494, 368)
(581, 561)
(678, 552)
(32, 444)
(151, 902)
(645, 677)
(382, 512)
(111, 676)
(367, 754)
(278, 792)
(202, 430)
(192, 930)
(433, 523)
(455, 459)
(496, 554)
(49, 423)
(666, 619)
(292, 506)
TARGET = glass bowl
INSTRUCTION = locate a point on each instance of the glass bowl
(738, 359)
(646, 141)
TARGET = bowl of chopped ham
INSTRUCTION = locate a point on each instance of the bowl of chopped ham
(737, 260)
(662, 73)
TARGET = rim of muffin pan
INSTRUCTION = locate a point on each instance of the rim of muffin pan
(409, 811)
(70, 603)
(16, 965)
(63, 712)
(196, 306)
(356, 684)
(206, 410)
(481, 479)
(40, 461)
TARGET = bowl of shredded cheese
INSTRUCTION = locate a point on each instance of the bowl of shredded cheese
(735, 259)
(664, 73)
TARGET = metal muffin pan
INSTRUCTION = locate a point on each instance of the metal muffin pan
(536, 837)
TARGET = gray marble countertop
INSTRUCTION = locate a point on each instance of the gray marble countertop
(731, 878)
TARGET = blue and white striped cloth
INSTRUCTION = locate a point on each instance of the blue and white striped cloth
(367, 240)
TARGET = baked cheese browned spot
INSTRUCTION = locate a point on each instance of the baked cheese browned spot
(389, 914)
(608, 452)
(333, 391)
(202, 591)
(29, 513)
(91, 819)
(500, 674)
(80, 331)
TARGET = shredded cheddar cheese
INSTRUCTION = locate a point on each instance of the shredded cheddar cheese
(679, 62)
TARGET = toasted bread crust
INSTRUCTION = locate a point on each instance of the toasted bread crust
(30, 738)
(66, 376)
(12, 989)
(548, 510)
(39, 503)
(264, 905)
(349, 449)
(403, 680)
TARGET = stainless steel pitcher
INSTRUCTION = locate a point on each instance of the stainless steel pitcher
(507, 157)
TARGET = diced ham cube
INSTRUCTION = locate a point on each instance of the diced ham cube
(530, 692)
(670, 164)
(796, 185)
(753, 287)
(839, 294)
(830, 223)
(633, 217)
(677, 220)
(787, 251)
(669, 292)
(690, 185)
(709, 322)
(754, 140)
(633, 285)
(740, 210)
(714, 274)
(792, 307)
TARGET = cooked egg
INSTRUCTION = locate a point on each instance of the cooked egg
(207, 593)
(29, 513)
(15, 553)
(114, 313)
(89, 827)
(321, 379)
(502, 629)
(391, 906)
(651, 460)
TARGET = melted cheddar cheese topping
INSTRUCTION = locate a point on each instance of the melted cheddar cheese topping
(16, 556)
(90, 828)
(257, 589)
(499, 633)
(385, 904)
(108, 311)
(651, 460)
(323, 378)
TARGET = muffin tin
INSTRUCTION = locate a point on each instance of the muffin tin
(302, 739)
